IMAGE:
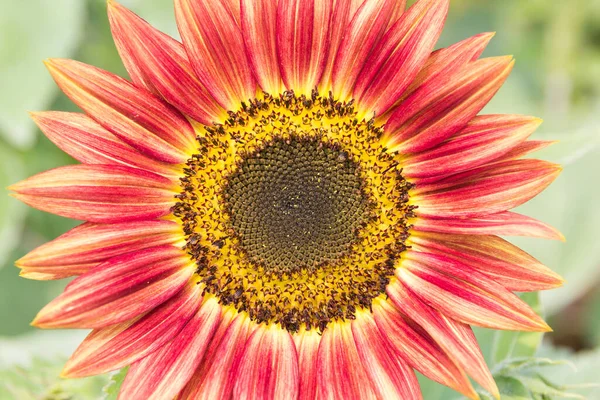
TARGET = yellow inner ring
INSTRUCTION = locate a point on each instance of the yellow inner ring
(311, 298)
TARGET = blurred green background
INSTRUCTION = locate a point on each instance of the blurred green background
(557, 77)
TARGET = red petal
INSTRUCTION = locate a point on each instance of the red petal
(269, 367)
(419, 349)
(340, 372)
(526, 148)
(215, 46)
(446, 61)
(485, 190)
(503, 224)
(99, 193)
(505, 263)
(462, 293)
(307, 347)
(134, 115)
(117, 346)
(89, 143)
(343, 12)
(457, 339)
(390, 376)
(163, 374)
(359, 38)
(302, 33)
(87, 245)
(159, 63)
(259, 21)
(405, 47)
(119, 289)
(214, 378)
(444, 106)
(484, 139)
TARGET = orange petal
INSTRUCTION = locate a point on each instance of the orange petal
(159, 63)
(136, 116)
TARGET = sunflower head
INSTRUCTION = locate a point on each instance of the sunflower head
(298, 200)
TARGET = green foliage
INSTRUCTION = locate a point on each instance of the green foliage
(111, 389)
(39, 381)
(31, 31)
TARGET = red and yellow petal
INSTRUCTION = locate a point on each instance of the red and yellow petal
(119, 289)
(366, 27)
(307, 348)
(98, 193)
(89, 143)
(484, 139)
(160, 64)
(215, 46)
(340, 372)
(445, 105)
(342, 13)
(455, 338)
(419, 349)
(136, 116)
(88, 245)
(502, 224)
(390, 375)
(259, 28)
(163, 374)
(119, 345)
(466, 295)
(302, 33)
(268, 368)
(405, 47)
(502, 261)
(485, 190)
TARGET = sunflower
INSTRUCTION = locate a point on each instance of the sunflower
(299, 200)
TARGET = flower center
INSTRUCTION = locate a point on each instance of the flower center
(296, 203)
(293, 211)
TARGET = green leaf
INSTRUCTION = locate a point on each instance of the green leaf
(580, 374)
(512, 388)
(32, 31)
(498, 346)
(111, 390)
